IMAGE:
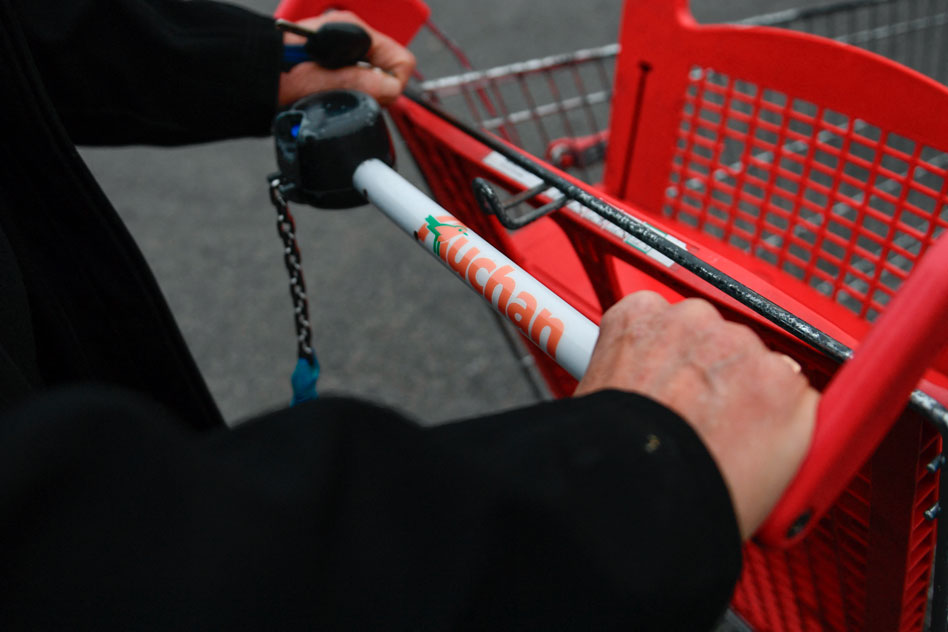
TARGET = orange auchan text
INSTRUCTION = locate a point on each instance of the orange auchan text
(493, 281)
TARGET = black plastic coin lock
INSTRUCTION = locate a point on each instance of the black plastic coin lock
(322, 139)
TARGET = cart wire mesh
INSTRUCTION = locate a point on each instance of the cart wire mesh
(910, 32)
(856, 238)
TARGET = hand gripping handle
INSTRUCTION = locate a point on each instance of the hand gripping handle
(865, 397)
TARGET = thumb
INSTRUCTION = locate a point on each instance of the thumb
(308, 78)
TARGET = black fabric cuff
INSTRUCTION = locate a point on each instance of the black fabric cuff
(629, 488)
(262, 55)
(152, 72)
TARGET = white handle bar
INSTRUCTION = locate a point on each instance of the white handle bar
(556, 327)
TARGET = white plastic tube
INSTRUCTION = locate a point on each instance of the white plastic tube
(557, 328)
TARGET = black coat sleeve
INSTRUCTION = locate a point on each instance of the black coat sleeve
(598, 513)
(154, 71)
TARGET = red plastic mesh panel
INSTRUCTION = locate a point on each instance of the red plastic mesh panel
(818, 584)
(821, 583)
(835, 201)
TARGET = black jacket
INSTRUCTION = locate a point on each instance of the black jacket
(126, 503)
(83, 303)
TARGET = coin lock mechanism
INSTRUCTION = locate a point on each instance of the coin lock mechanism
(321, 140)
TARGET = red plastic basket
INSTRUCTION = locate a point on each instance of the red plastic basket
(776, 157)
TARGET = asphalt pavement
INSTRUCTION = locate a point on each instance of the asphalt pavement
(390, 324)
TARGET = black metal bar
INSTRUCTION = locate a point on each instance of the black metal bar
(645, 69)
(526, 195)
(490, 203)
(829, 346)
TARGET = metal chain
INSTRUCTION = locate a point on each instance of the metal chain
(286, 228)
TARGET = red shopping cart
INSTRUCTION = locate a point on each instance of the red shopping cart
(798, 197)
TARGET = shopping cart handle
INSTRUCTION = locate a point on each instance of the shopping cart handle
(866, 396)
(334, 151)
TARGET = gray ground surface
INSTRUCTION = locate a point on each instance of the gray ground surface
(390, 324)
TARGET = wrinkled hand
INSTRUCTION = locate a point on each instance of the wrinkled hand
(393, 63)
(752, 407)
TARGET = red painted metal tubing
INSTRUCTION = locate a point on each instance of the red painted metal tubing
(867, 394)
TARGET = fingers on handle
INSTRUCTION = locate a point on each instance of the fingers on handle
(397, 62)
(385, 52)
(632, 308)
